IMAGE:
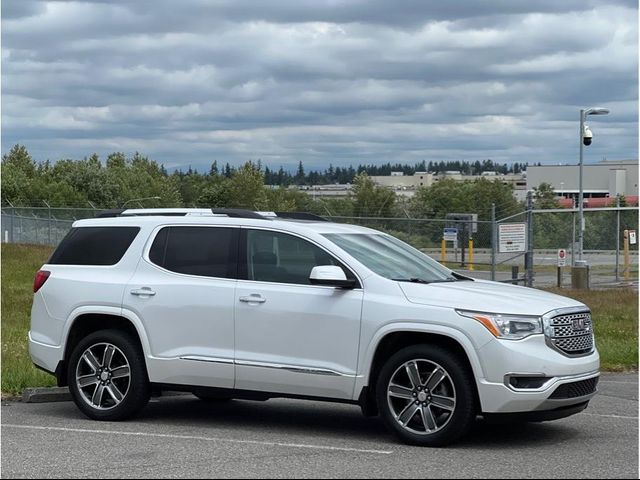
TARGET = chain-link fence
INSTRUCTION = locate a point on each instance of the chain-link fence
(604, 244)
(39, 225)
(486, 249)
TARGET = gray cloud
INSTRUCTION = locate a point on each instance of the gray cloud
(319, 81)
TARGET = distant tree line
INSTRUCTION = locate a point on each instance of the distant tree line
(140, 181)
(343, 175)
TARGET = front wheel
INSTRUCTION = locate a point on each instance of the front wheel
(108, 377)
(426, 395)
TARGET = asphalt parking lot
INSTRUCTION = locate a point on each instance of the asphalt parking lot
(183, 437)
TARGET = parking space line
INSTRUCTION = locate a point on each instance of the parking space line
(615, 381)
(205, 439)
(610, 416)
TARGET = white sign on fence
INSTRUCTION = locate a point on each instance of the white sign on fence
(512, 237)
(562, 257)
(632, 237)
(450, 234)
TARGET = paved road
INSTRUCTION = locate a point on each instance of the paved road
(183, 437)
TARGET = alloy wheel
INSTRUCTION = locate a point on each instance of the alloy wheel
(421, 396)
(103, 376)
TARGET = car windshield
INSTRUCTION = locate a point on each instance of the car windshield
(391, 258)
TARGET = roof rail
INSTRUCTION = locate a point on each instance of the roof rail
(178, 212)
(229, 212)
(237, 213)
(115, 212)
(301, 216)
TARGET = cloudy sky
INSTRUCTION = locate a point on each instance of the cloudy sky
(323, 81)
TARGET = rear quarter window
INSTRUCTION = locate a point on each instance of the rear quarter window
(94, 246)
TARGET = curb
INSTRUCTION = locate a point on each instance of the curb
(45, 395)
(61, 394)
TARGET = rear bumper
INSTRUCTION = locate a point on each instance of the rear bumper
(46, 357)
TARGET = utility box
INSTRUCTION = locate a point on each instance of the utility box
(580, 276)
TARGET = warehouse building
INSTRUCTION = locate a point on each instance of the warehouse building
(606, 179)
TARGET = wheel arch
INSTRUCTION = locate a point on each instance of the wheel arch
(86, 320)
(390, 340)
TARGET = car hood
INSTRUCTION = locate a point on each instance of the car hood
(485, 296)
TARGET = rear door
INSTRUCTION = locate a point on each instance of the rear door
(183, 291)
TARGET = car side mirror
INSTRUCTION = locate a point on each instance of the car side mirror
(330, 276)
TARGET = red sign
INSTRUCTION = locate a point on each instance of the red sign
(562, 257)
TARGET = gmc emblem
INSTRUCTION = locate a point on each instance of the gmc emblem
(578, 324)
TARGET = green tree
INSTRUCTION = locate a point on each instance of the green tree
(370, 199)
(246, 188)
(545, 196)
(19, 159)
(300, 176)
(450, 196)
(18, 175)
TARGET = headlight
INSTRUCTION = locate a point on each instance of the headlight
(509, 327)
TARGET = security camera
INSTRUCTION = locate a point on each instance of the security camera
(587, 135)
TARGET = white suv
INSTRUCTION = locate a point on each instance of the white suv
(238, 304)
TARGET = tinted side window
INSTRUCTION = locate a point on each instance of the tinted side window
(202, 251)
(94, 246)
(278, 257)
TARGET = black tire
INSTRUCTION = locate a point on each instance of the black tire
(211, 398)
(138, 389)
(455, 424)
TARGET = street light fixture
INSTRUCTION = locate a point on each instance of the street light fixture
(585, 139)
(139, 200)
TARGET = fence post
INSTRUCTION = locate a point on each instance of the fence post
(618, 238)
(627, 263)
(35, 224)
(13, 225)
(494, 241)
(528, 258)
(48, 221)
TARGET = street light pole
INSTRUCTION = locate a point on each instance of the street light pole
(581, 194)
(581, 225)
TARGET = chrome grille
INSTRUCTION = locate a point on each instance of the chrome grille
(571, 334)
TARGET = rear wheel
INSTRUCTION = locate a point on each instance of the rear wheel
(108, 376)
(426, 396)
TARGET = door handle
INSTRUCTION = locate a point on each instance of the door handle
(143, 292)
(253, 298)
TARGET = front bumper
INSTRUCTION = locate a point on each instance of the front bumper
(531, 357)
(535, 416)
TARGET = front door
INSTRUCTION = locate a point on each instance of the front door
(293, 337)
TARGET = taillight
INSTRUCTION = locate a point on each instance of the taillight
(41, 277)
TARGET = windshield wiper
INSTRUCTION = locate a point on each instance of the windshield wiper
(412, 280)
(461, 278)
(420, 280)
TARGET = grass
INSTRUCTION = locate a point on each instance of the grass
(19, 265)
(615, 318)
(615, 313)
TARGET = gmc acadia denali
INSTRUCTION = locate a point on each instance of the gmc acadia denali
(230, 303)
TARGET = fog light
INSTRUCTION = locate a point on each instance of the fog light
(527, 382)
